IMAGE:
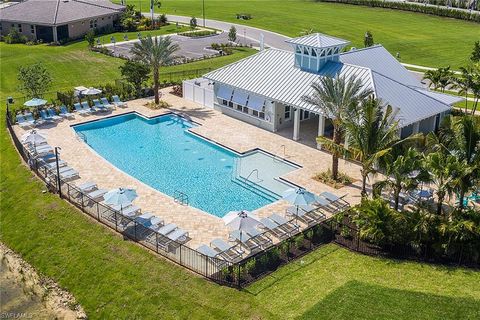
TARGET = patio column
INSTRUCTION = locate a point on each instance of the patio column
(321, 129)
(416, 127)
(55, 35)
(296, 124)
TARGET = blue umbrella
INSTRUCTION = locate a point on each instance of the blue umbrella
(299, 197)
(120, 197)
(35, 102)
(148, 220)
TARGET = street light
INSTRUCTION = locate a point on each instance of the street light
(203, 5)
(58, 171)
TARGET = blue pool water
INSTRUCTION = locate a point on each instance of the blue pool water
(163, 154)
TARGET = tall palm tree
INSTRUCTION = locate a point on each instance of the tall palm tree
(334, 96)
(465, 82)
(398, 173)
(371, 132)
(155, 52)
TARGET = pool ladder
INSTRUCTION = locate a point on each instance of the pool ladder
(276, 158)
(180, 197)
(250, 174)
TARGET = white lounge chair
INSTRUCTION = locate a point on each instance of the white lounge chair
(166, 229)
(64, 113)
(118, 103)
(229, 252)
(274, 228)
(22, 121)
(285, 224)
(208, 251)
(106, 104)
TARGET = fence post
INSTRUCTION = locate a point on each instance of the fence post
(115, 218)
(358, 240)
(135, 229)
(180, 254)
(156, 241)
(81, 193)
(98, 212)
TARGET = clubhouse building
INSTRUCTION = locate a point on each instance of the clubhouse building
(266, 88)
(56, 20)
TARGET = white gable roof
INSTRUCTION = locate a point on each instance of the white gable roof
(318, 40)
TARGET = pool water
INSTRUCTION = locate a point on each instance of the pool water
(162, 153)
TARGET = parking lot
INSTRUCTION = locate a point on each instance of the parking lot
(189, 47)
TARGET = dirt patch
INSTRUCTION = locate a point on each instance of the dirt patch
(57, 300)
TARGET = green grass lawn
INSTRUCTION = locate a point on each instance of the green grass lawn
(116, 279)
(469, 104)
(75, 65)
(420, 39)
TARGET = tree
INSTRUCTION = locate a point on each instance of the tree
(398, 173)
(155, 53)
(90, 38)
(368, 39)
(232, 34)
(34, 80)
(193, 23)
(371, 132)
(460, 137)
(439, 78)
(136, 73)
(334, 96)
(475, 56)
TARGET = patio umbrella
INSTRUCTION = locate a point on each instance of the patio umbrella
(33, 137)
(35, 102)
(120, 197)
(91, 92)
(240, 220)
(299, 197)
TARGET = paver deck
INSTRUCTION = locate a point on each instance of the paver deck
(220, 128)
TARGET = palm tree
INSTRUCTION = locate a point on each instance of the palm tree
(334, 96)
(465, 82)
(460, 137)
(398, 173)
(439, 78)
(155, 52)
(446, 172)
(371, 132)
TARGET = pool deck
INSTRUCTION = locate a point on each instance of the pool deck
(227, 131)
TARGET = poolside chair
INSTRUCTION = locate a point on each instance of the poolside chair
(285, 224)
(245, 239)
(53, 165)
(22, 121)
(70, 174)
(335, 200)
(31, 119)
(40, 150)
(87, 186)
(118, 103)
(97, 106)
(260, 238)
(178, 235)
(107, 104)
(64, 113)
(51, 113)
(129, 211)
(97, 194)
(208, 251)
(229, 252)
(86, 107)
(166, 229)
(79, 109)
(45, 116)
(304, 213)
(272, 227)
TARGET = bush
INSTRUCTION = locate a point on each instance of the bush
(244, 16)
(15, 37)
(162, 20)
(438, 11)
(198, 34)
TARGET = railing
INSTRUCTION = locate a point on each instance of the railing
(180, 197)
(82, 136)
(250, 174)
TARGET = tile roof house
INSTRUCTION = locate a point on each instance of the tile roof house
(55, 20)
(266, 89)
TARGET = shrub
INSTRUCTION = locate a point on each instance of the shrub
(15, 37)
(162, 20)
(90, 38)
(193, 22)
(244, 16)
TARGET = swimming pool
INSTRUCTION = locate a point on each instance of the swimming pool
(162, 153)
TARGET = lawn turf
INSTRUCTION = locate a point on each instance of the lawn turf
(419, 38)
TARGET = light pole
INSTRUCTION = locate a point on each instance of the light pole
(58, 171)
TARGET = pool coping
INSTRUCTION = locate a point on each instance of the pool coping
(189, 130)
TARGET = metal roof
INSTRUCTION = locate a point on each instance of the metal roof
(318, 40)
(57, 12)
(380, 60)
(271, 73)
(445, 98)
(413, 105)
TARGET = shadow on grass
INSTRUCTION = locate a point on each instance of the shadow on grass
(357, 300)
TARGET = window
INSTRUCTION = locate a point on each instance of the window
(288, 112)
(32, 29)
(91, 24)
(239, 107)
(95, 23)
(230, 104)
(224, 102)
(245, 110)
(19, 28)
(305, 51)
(103, 19)
(314, 53)
(258, 114)
(298, 50)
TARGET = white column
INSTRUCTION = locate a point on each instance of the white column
(416, 127)
(296, 124)
(321, 129)
(55, 35)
